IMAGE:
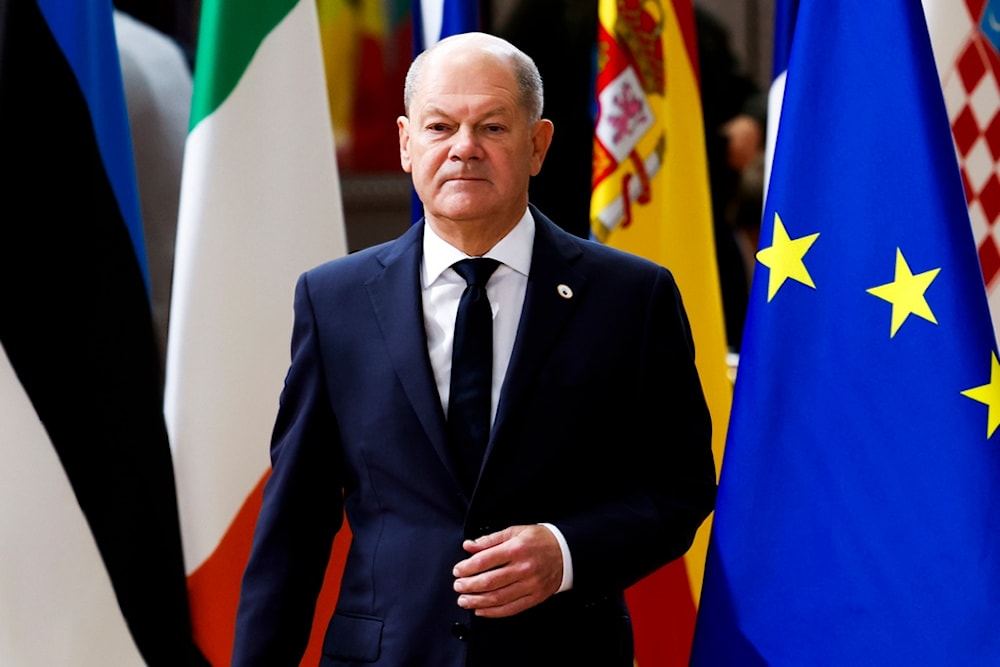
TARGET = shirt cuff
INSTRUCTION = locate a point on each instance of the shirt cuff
(567, 573)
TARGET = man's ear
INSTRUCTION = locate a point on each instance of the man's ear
(403, 124)
(541, 139)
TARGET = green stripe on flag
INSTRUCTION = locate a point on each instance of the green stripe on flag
(231, 31)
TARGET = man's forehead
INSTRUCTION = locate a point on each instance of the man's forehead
(438, 105)
(465, 84)
(470, 51)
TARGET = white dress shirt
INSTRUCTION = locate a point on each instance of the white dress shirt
(441, 290)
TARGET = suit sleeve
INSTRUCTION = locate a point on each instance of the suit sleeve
(302, 510)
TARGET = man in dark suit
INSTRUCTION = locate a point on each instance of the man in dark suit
(598, 467)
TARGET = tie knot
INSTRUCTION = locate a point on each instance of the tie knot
(476, 271)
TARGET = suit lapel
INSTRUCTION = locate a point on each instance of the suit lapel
(396, 300)
(555, 286)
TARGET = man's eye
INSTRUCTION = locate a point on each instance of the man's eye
(437, 127)
(494, 129)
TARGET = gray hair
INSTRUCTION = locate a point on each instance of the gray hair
(529, 80)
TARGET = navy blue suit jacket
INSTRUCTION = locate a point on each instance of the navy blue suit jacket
(601, 429)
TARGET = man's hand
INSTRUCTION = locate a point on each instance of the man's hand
(509, 571)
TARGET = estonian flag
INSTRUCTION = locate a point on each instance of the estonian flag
(90, 561)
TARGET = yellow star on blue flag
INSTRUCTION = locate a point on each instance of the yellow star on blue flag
(784, 258)
(906, 293)
(989, 395)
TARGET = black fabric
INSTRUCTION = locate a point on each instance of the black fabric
(727, 91)
(77, 329)
(471, 370)
(561, 37)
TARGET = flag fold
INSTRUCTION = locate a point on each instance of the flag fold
(260, 204)
(858, 512)
(648, 149)
(90, 552)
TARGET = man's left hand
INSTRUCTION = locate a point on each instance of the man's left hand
(509, 571)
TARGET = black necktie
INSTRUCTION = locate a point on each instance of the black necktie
(471, 371)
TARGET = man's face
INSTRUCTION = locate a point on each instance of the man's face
(468, 142)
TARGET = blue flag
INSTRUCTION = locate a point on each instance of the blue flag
(433, 20)
(784, 27)
(858, 516)
(85, 33)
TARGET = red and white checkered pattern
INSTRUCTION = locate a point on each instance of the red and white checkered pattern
(969, 67)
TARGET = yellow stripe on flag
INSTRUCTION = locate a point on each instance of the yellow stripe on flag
(338, 26)
(650, 193)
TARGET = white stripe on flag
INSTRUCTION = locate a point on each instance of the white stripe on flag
(60, 607)
(260, 203)
(431, 17)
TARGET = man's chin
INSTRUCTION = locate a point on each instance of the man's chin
(463, 207)
(465, 188)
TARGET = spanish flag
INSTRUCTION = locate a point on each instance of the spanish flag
(651, 197)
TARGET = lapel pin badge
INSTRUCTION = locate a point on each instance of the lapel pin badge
(564, 291)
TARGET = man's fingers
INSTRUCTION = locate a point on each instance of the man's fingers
(503, 601)
(508, 571)
(502, 611)
(484, 542)
(479, 563)
(503, 607)
(482, 558)
(497, 578)
(506, 590)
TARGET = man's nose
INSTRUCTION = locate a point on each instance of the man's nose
(465, 145)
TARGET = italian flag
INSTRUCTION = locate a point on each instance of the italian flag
(260, 203)
(650, 197)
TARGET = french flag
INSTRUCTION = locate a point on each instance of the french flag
(784, 27)
(433, 20)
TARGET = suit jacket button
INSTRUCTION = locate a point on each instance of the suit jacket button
(460, 631)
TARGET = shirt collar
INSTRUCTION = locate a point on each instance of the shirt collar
(514, 250)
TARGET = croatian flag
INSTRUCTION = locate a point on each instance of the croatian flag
(965, 36)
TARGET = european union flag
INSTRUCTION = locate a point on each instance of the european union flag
(858, 516)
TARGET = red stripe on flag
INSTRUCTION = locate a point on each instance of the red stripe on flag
(684, 11)
(214, 588)
(663, 616)
(327, 596)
